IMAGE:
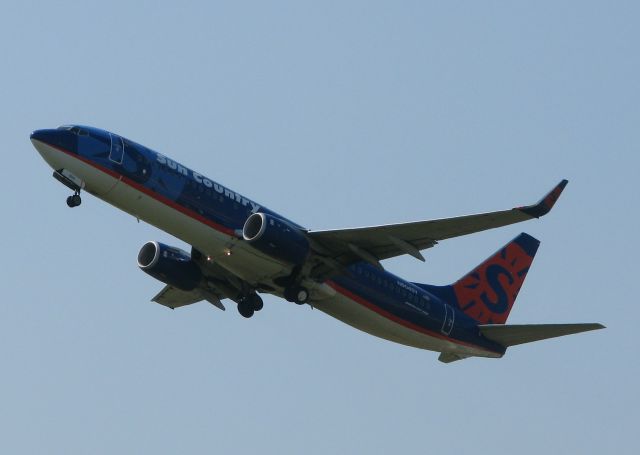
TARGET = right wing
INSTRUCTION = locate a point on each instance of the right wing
(375, 243)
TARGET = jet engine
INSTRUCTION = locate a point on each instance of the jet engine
(170, 265)
(276, 237)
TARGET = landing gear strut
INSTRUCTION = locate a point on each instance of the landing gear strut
(75, 200)
(250, 304)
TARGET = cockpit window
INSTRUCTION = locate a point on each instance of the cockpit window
(74, 129)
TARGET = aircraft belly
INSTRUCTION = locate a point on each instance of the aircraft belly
(245, 263)
(361, 318)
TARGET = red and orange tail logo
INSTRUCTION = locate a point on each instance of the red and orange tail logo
(488, 292)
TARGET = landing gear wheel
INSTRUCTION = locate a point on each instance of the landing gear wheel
(245, 308)
(74, 201)
(296, 294)
(256, 302)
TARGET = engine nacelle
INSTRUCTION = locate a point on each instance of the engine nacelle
(276, 237)
(170, 265)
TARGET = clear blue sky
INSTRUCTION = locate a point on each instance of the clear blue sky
(335, 114)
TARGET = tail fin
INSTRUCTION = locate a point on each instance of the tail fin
(488, 292)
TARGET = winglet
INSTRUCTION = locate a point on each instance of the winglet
(545, 204)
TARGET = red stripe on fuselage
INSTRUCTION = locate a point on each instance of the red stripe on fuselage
(160, 198)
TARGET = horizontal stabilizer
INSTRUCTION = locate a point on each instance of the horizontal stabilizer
(511, 335)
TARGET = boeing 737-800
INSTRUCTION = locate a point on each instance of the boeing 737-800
(240, 249)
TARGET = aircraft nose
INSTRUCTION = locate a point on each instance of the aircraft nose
(48, 136)
(61, 139)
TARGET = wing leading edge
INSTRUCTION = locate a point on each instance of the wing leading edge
(375, 243)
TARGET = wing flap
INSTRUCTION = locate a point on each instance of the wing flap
(512, 335)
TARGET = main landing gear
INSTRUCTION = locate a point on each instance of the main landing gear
(296, 294)
(75, 200)
(250, 304)
(293, 291)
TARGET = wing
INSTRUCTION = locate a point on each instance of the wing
(218, 284)
(375, 243)
(172, 297)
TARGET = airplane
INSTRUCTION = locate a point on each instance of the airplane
(240, 249)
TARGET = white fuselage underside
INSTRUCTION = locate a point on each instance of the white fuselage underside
(244, 261)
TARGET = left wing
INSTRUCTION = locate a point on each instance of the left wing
(375, 243)
(172, 297)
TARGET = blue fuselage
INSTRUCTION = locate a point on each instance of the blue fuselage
(193, 197)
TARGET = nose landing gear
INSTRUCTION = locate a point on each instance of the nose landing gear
(75, 200)
(73, 183)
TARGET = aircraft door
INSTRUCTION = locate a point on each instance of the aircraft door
(449, 317)
(116, 154)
